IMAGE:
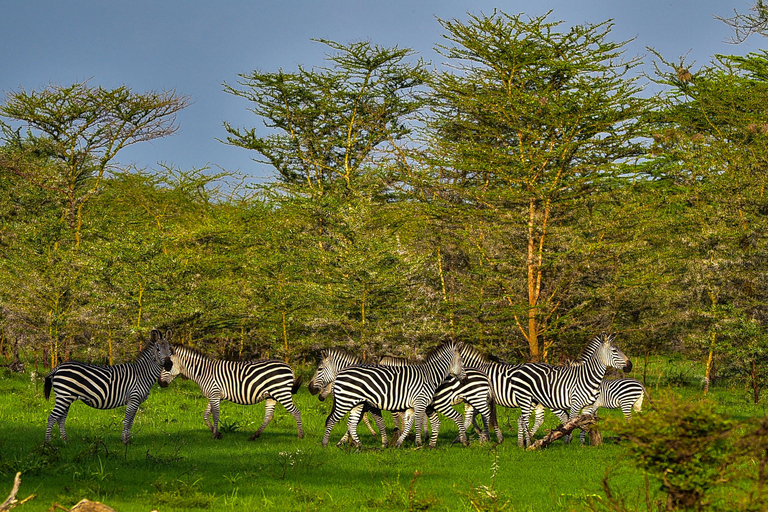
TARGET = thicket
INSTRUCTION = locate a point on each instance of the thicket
(522, 198)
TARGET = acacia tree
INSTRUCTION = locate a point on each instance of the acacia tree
(331, 133)
(60, 143)
(528, 123)
(82, 128)
(710, 140)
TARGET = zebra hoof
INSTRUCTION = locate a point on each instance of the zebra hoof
(216, 435)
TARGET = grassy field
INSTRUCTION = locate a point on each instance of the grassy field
(172, 464)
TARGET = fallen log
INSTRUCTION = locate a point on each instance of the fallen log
(562, 430)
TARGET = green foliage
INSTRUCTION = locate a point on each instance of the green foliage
(686, 445)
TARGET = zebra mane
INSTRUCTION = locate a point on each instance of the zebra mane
(146, 350)
(191, 351)
(474, 353)
(592, 347)
(440, 348)
(338, 352)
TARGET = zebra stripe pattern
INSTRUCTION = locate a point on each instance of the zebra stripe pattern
(503, 390)
(107, 387)
(241, 382)
(567, 388)
(625, 394)
(392, 388)
(474, 391)
(330, 362)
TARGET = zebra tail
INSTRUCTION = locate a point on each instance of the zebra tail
(296, 385)
(48, 385)
(493, 421)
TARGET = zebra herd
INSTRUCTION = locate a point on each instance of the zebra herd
(450, 374)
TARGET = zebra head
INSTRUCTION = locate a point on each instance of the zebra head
(610, 355)
(452, 351)
(167, 376)
(322, 381)
(457, 363)
(161, 346)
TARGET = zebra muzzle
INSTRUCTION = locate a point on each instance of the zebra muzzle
(628, 367)
(162, 383)
(168, 364)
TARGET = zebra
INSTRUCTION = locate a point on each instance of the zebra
(330, 362)
(625, 394)
(503, 391)
(244, 383)
(474, 391)
(108, 387)
(392, 388)
(566, 388)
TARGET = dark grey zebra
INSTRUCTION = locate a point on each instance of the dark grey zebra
(241, 382)
(108, 387)
(503, 390)
(566, 388)
(625, 394)
(392, 388)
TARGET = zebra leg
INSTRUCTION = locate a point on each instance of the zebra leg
(407, 424)
(58, 416)
(352, 422)
(337, 412)
(583, 434)
(485, 415)
(130, 413)
(269, 413)
(434, 421)
(213, 406)
(368, 424)
(379, 419)
(206, 415)
(494, 422)
(457, 418)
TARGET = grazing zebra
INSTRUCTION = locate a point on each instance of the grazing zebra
(244, 383)
(392, 388)
(567, 388)
(108, 387)
(503, 390)
(330, 362)
(625, 394)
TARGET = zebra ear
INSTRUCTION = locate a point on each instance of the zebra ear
(155, 335)
(168, 334)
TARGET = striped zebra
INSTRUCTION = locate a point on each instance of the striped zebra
(625, 394)
(330, 362)
(474, 391)
(502, 388)
(108, 387)
(392, 388)
(567, 388)
(244, 383)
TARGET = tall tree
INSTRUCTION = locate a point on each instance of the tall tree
(83, 128)
(331, 134)
(527, 125)
(711, 146)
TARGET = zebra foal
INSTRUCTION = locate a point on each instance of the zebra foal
(108, 387)
(244, 383)
(392, 388)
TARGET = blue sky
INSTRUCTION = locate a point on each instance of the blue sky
(194, 46)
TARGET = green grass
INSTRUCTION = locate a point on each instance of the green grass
(173, 464)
